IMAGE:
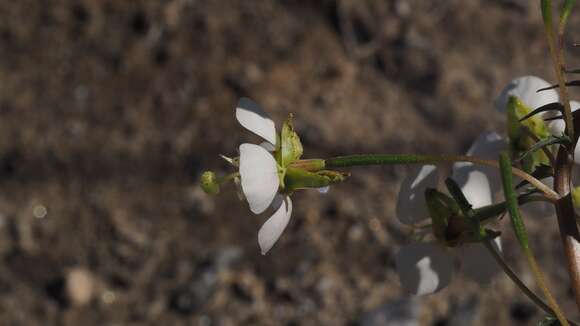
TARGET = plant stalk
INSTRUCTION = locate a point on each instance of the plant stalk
(386, 159)
(567, 219)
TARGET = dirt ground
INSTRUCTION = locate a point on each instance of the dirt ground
(110, 111)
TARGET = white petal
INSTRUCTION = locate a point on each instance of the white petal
(251, 116)
(475, 185)
(477, 263)
(525, 88)
(557, 126)
(268, 146)
(487, 146)
(411, 205)
(259, 174)
(424, 268)
(272, 229)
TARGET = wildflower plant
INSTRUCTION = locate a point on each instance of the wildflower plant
(453, 211)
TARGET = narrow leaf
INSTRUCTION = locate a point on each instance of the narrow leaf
(544, 108)
(547, 13)
(570, 83)
(521, 233)
(554, 118)
(552, 140)
(512, 201)
(457, 194)
(566, 10)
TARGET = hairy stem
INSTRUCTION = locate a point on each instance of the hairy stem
(380, 159)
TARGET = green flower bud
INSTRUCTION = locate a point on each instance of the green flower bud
(209, 183)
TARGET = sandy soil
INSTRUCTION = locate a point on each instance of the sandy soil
(110, 110)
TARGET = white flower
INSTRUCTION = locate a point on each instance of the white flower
(259, 174)
(425, 268)
(526, 89)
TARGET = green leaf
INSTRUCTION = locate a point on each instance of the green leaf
(512, 202)
(566, 10)
(551, 140)
(547, 13)
(291, 147)
(459, 197)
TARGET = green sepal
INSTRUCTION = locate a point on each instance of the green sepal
(473, 231)
(300, 179)
(311, 165)
(290, 145)
(519, 139)
(450, 226)
(334, 176)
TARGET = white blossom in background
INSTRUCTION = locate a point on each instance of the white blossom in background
(259, 174)
(526, 89)
(425, 268)
(411, 204)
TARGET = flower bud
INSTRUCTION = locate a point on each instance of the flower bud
(209, 183)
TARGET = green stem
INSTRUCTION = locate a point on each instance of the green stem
(522, 235)
(388, 159)
(557, 55)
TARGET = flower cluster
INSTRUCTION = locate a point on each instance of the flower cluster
(427, 267)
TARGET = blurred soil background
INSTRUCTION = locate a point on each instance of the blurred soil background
(110, 110)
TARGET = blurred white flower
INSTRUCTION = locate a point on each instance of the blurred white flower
(425, 268)
(526, 89)
(259, 174)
